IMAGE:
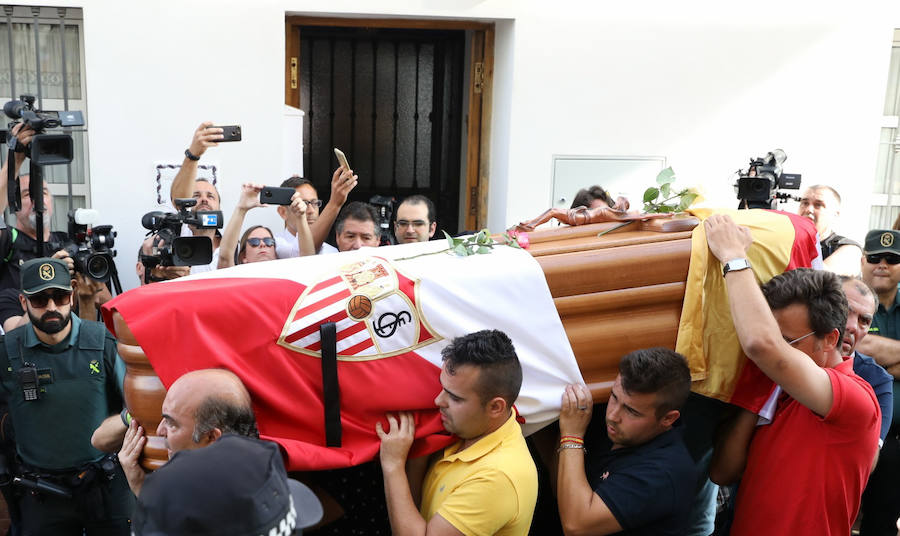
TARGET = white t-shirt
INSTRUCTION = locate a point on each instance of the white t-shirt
(214, 264)
(286, 245)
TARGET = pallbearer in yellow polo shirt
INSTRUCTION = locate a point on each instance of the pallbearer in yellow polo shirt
(487, 482)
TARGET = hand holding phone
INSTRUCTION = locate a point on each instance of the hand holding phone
(229, 133)
(276, 195)
(342, 158)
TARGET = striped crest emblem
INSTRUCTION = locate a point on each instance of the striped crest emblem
(374, 306)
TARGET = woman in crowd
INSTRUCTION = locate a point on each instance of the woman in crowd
(257, 243)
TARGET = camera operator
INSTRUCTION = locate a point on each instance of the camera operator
(157, 273)
(294, 214)
(186, 184)
(822, 205)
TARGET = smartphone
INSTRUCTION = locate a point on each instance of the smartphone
(230, 133)
(342, 159)
(275, 195)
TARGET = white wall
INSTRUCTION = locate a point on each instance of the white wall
(706, 87)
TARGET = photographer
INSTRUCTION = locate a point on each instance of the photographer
(294, 214)
(157, 273)
(186, 184)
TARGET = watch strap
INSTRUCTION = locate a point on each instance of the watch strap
(190, 155)
(734, 265)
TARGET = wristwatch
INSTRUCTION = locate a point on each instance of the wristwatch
(734, 265)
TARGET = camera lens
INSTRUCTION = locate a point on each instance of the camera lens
(184, 251)
(97, 267)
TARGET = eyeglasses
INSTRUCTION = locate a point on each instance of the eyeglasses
(798, 339)
(414, 223)
(891, 258)
(255, 242)
(313, 202)
(59, 297)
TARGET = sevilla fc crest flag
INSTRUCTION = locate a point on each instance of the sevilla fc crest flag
(393, 310)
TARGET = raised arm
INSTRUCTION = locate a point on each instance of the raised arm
(23, 135)
(204, 138)
(342, 182)
(249, 199)
(296, 213)
(581, 510)
(759, 333)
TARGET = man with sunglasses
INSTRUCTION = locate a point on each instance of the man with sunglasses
(61, 377)
(881, 271)
(416, 221)
(804, 472)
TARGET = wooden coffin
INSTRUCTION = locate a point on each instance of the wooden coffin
(617, 288)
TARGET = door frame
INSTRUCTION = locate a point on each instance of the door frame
(479, 90)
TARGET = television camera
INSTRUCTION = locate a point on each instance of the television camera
(759, 186)
(172, 249)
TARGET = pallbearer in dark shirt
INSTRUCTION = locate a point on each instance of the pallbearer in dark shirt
(642, 478)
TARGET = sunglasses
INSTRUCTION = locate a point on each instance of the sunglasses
(255, 242)
(891, 258)
(59, 297)
(313, 202)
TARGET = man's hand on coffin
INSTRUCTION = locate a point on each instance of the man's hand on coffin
(575, 411)
(727, 240)
(396, 442)
(130, 456)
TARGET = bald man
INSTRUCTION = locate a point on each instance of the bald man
(822, 205)
(199, 408)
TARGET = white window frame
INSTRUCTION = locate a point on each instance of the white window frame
(74, 17)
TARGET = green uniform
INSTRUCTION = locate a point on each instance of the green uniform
(81, 381)
(881, 498)
(886, 323)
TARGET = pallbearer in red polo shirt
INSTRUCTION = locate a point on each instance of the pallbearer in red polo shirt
(804, 472)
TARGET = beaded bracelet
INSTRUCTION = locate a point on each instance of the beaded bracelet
(571, 439)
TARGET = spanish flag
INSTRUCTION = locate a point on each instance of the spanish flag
(706, 335)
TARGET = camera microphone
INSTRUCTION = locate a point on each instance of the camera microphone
(13, 109)
(153, 220)
(87, 216)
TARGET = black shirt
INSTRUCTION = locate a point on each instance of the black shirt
(649, 488)
(17, 247)
(833, 242)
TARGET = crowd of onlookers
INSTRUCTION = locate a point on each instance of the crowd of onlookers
(828, 337)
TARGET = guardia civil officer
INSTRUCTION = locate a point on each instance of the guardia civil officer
(61, 377)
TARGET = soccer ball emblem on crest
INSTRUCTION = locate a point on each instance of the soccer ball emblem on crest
(375, 308)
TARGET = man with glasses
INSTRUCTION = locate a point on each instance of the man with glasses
(342, 182)
(61, 377)
(881, 271)
(804, 472)
(416, 221)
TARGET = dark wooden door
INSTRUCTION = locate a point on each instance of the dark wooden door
(391, 99)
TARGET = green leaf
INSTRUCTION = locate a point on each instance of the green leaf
(483, 249)
(665, 176)
(664, 190)
(450, 243)
(664, 208)
(650, 194)
(686, 201)
(460, 250)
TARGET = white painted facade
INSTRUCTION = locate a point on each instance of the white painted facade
(704, 84)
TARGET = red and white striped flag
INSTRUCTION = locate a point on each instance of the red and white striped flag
(393, 316)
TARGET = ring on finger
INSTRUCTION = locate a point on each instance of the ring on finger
(582, 408)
